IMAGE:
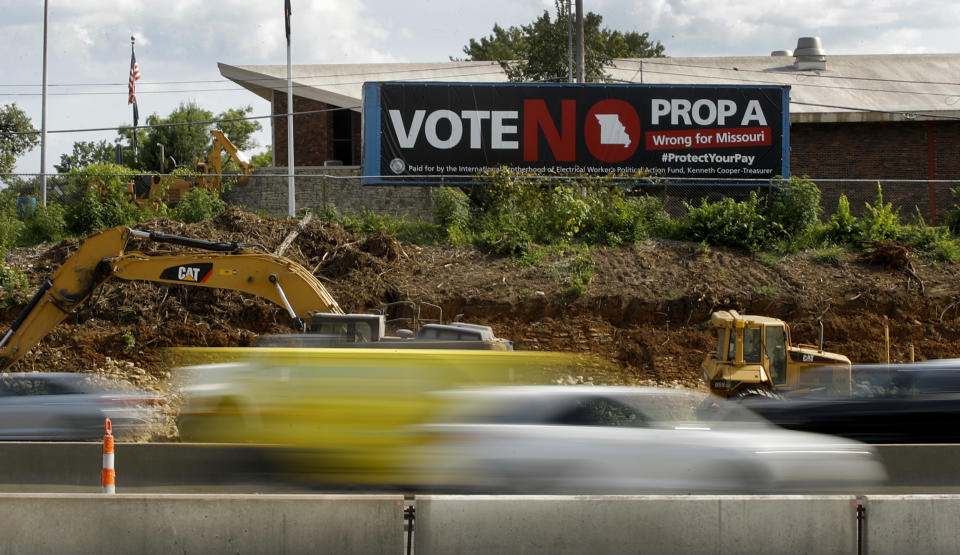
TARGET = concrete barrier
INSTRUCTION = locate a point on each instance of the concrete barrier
(123, 523)
(190, 523)
(635, 524)
(897, 524)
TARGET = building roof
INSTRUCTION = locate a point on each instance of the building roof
(342, 84)
(852, 88)
(887, 87)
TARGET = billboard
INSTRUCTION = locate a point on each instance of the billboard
(449, 132)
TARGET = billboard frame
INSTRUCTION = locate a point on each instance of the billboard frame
(371, 116)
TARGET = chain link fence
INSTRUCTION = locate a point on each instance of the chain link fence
(931, 200)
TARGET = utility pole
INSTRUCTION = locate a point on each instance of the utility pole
(581, 72)
(291, 189)
(43, 116)
(569, 42)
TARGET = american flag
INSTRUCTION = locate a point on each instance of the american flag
(134, 75)
(286, 18)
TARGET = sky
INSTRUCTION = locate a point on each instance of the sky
(179, 42)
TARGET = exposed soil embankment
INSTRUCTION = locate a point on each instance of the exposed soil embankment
(645, 307)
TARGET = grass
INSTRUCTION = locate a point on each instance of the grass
(827, 255)
(768, 291)
(769, 259)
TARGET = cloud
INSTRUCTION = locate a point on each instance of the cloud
(756, 27)
(179, 42)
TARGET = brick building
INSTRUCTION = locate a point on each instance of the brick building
(331, 96)
(855, 120)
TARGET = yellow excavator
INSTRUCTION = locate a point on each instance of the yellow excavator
(148, 189)
(245, 267)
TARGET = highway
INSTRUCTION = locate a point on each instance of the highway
(206, 468)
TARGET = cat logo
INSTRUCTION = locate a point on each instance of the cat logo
(186, 273)
(807, 358)
(195, 273)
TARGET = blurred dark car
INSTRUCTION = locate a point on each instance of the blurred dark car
(63, 406)
(890, 403)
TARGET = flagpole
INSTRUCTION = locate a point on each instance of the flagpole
(132, 54)
(43, 116)
(291, 191)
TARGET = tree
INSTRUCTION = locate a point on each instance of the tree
(188, 138)
(538, 51)
(263, 159)
(239, 131)
(183, 141)
(84, 154)
(126, 136)
(17, 136)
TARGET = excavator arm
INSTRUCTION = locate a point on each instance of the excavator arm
(102, 256)
(211, 171)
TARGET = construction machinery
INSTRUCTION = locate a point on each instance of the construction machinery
(244, 267)
(755, 358)
(146, 189)
(211, 170)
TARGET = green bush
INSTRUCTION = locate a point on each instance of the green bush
(509, 210)
(197, 205)
(727, 223)
(581, 272)
(652, 216)
(880, 222)
(842, 228)
(13, 283)
(501, 190)
(102, 202)
(934, 242)
(945, 250)
(367, 221)
(420, 233)
(563, 211)
(503, 234)
(614, 218)
(794, 208)
(451, 208)
(47, 224)
(371, 222)
(953, 216)
(10, 224)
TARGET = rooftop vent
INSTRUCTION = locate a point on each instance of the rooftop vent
(810, 54)
(782, 53)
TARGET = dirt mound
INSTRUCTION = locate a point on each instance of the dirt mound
(645, 308)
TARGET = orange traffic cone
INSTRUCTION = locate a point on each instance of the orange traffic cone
(108, 476)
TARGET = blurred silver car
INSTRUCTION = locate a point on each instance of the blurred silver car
(622, 440)
(63, 406)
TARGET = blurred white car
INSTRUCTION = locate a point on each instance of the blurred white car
(625, 440)
(67, 406)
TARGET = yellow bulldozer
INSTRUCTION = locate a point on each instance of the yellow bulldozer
(755, 358)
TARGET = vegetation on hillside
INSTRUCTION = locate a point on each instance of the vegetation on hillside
(514, 214)
(524, 216)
